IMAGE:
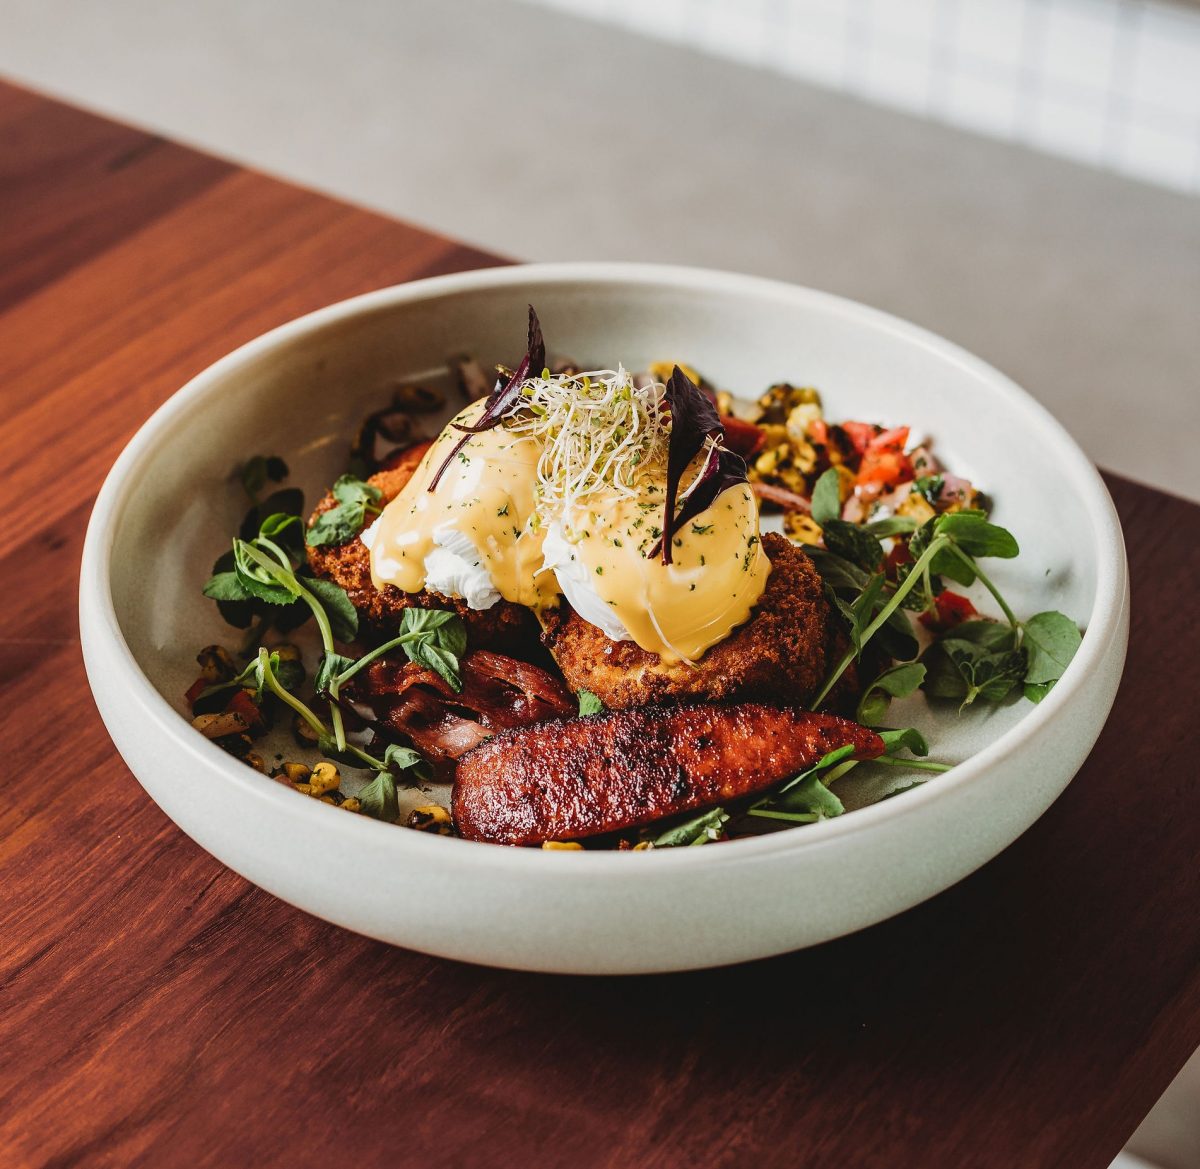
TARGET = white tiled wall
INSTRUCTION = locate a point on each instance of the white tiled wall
(1113, 83)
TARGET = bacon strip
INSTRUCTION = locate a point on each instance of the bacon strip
(585, 776)
(788, 500)
(413, 703)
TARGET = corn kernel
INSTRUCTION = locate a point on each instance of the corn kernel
(845, 482)
(773, 405)
(661, 371)
(769, 460)
(562, 846)
(431, 818)
(325, 778)
(305, 789)
(804, 457)
(792, 479)
(287, 652)
(353, 804)
(296, 772)
(216, 663)
(802, 528)
(643, 846)
(255, 760)
(964, 499)
(915, 505)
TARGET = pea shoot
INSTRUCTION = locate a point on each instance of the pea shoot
(973, 660)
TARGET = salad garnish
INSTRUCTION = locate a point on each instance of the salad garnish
(892, 535)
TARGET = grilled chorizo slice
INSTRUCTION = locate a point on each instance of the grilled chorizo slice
(578, 777)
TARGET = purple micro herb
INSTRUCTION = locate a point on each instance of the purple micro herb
(694, 421)
(505, 397)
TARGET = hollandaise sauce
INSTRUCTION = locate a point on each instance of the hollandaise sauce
(486, 520)
(480, 512)
(678, 610)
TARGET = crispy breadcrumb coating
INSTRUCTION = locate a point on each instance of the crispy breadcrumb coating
(782, 654)
(504, 626)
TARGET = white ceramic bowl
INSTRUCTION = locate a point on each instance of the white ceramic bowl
(168, 507)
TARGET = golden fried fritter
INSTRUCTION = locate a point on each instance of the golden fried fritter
(782, 654)
(504, 626)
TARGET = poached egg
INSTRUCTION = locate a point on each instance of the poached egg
(490, 529)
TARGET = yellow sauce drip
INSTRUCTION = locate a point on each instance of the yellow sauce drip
(488, 493)
(678, 610)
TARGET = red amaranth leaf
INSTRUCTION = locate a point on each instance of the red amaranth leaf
(505, 397)
(722, 470)
(694, 422)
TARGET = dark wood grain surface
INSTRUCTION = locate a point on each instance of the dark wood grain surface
(157, 1010)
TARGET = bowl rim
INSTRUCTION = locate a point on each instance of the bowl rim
(102, 636)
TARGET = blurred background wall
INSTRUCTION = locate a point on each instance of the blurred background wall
(1114, 83)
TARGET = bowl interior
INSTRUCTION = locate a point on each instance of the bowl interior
(301, 392)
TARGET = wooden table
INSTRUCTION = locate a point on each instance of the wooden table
(156, 1009)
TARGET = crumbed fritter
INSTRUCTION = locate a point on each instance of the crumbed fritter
(781, 654)
(503, 626)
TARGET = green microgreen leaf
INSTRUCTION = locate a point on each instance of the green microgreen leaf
(276, 524)
(827, 498)
(929, 487)
(805, 798)
(809, 796)
(589, 704)
(902, 788)
(989, 635)
(904, 739)
(399, 760)
(861, 610)
(287, 501)
(1050, 640)
(346, 518)
(895, 525)
(331, 665)
(972, 532)
(378, 798)
(263, 576)
(827, 761)
(896, 599)
(225, 586)
(896, 682)
(343, 617)
(347, 755)
(291, 673)
(700, 830)
(896, 634)
(964, 670)
(437, 640)
(839, 574)
(1036, 691)
(853, 543)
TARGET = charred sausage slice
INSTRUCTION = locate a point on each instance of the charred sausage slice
(579, 777)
